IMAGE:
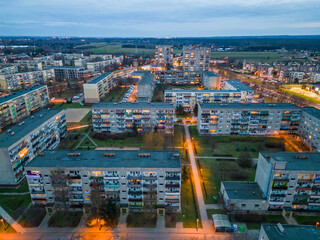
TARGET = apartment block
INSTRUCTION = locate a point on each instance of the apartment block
(16, 81)
(19, 105)
(128, 177)
(248, 119)
(98, 88)
(290, 180)
(309, 128)
(121, 117)
(8, 70)
(71, 73)
(208, 80)
(291, 76)
(25, 140)
(164, 55)
(246, 92)
(196, 58)
(315, 77)
(100, 66)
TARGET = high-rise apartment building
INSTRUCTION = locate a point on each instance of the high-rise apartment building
(196, 58)
(164, 55)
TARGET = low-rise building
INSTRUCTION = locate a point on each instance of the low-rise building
(71, 73)
(122, 117)
(164, 55)
(18, 105)
(291, 76)
(290, 180)
(248, 118)
(145, 86)
(128, 177)
(16, 81)
(309, 127)
(23, 141)
(98, 88)
(242, 196)
(100, 66)
(288, 232)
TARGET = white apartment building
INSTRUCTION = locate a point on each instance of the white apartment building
(16, 81)
(248, 119)
(164, 55)
(315, 77)
(127, 177)
(196, 58)
(111, 117)
(98, 88)
(23, 141)
(18, 105)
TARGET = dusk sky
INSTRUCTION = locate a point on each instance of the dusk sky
(164, 18)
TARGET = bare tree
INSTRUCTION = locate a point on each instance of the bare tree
(60, 190)
(150, 198)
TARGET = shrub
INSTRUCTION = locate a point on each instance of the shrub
(244, 160)
(238, 148)
(253, 149)
(245, 148)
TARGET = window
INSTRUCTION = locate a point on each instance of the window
(243, 205)
(256, 205)
(85, 176)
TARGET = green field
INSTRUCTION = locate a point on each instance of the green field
(22, 188)
(115, 95)
(105, 48)
(310, 99)
(307, 220)
(14, 205)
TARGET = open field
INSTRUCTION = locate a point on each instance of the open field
(105, 48)
(14, 205)
(307, 220)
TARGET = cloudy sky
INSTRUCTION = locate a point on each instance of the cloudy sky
(161, 18)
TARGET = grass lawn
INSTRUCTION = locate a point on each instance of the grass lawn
(86, 143)
(307, 220)
(33, 217)
(105, 48)
(22, 188)
(15, 205)
(141, 220)
(69, 105)
(87, 119)
(115, 95)
(129, 141)
(59, 219)
(227, 145)
(5, 227)
(310, 99)
(255, 221)
(70, 141)
(210, 212)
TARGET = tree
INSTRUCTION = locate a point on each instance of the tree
(149, 198)
(179, 110)
(195, 110)
(60, 190)
(296, 80)
(153, 140)
(244, 160)
(185, 174)
(109, 212)
(135, 129)
(96, 199)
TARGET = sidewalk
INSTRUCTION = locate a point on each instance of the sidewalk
(11, 221)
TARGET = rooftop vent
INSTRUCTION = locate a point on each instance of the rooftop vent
(109, 154)
(176, 155)
(40, 115)
(301, 156)
(40, 154)
(32, 117)
(144, 154)
(73, 154)
(267, 156)
(12, 133)
(9, 130)
(280, 227)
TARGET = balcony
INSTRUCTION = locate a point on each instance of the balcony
(172, 185)
(131, 177)
(172, 177)
(135, 199)
(131, 192)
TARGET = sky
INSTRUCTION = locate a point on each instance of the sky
(161, 18)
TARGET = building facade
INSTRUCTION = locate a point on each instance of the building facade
(290, 180)
(122, 117)
(196, 58)
(21, 104)
(248, 119)
(315, 77)
(98, 88)
(16, 81)
(208, 80)
(309, 128)
(8, 70)
(164, 55)
(71, 73)
(23, 142)
(131, 178)
(246, 92)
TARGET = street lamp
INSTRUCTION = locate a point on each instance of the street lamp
(197, 223)
(4, 228)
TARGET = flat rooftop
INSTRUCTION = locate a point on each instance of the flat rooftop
(133, 105)
(200, 91)
(20, 93)
(99, 78)
(243, 190)
(291, 232)
(19, 73)
(97, 159)
(6, 139)
(312, 111)
(250, 106)
(239, 85)
(146, 77)
(306, 161)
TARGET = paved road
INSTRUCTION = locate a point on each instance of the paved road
(206, 224)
